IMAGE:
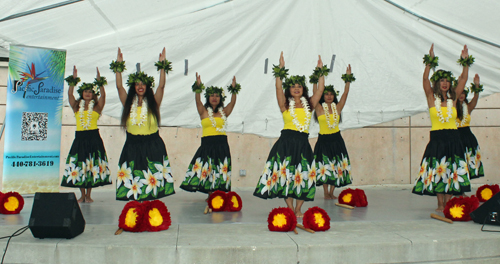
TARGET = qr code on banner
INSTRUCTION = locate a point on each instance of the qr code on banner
(34, 126)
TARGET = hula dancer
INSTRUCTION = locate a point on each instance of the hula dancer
(210, 168)
(143, 170)
(443, 171)
(290, 170)
(472, 150)
(334, 166)
(87, 163)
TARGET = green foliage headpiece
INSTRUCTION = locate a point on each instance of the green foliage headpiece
(295, 79)
(215, 90)
(441, 74)
(329, 88)
(88, 86)
(140, 77)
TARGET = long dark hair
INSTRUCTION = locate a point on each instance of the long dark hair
(436, 88)
(460, 114)
(207, 103)
(152, 106)
(305, 94)
(322, 100)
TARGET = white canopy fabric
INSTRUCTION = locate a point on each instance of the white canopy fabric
(384, 41)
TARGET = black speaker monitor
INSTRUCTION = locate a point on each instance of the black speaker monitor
(56, 215)
(488, 212)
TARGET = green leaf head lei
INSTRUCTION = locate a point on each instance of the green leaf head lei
(295, 79)
(329, 88)
(88, 86)
(215, 90)
(442, 74)
(134, 78)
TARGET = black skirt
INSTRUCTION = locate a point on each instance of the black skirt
(334, 165)
(87, 163)
(210, 168)
(144, 170)
(443, 168)
(472, 152)
(290, 170)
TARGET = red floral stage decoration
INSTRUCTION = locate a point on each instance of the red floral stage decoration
(150, 216)
(233, 202)
(316, 219)
(361, 200)
(11, 203)
(459, 208)
(282, 219)
(485, 192)
(157, 217)
(217, 201)
(132, 217)
(352, 197)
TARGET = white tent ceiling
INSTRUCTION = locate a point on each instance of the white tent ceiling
(383, 43)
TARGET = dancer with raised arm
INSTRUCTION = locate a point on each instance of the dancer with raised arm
(290, 170)
(443, 170)
(334, 165)
(143, 170)
(464, 109)
(210, 168)
(87, 163)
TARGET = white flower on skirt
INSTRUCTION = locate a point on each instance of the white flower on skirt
(124, 174)
(196, 169)
(152, 181)
(423, 169)
(204, 173)
(298, 178)
(345, 163)
(333, 167)
(275, 175)
(456, 179)
(83, 171)
(266, 181)
(95, 173)
(74, 174)
(283, 172)
(442, 171)
(322, 170)
(311, 174)
(165, 171)
(134, 187)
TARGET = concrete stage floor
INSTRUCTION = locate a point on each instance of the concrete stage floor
(394, 228)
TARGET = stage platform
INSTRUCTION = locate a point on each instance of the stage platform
(395, 228)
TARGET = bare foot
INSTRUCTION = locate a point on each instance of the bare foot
(333, 196)
(440, 209)
(81, 200)
(88, 200)
(299, 214)
(327, 196)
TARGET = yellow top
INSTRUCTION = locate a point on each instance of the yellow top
(466, 123)
(437, 125)
(323, 125)
(150, 126)
(301, 117)
(93, 120)
(209, 130)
